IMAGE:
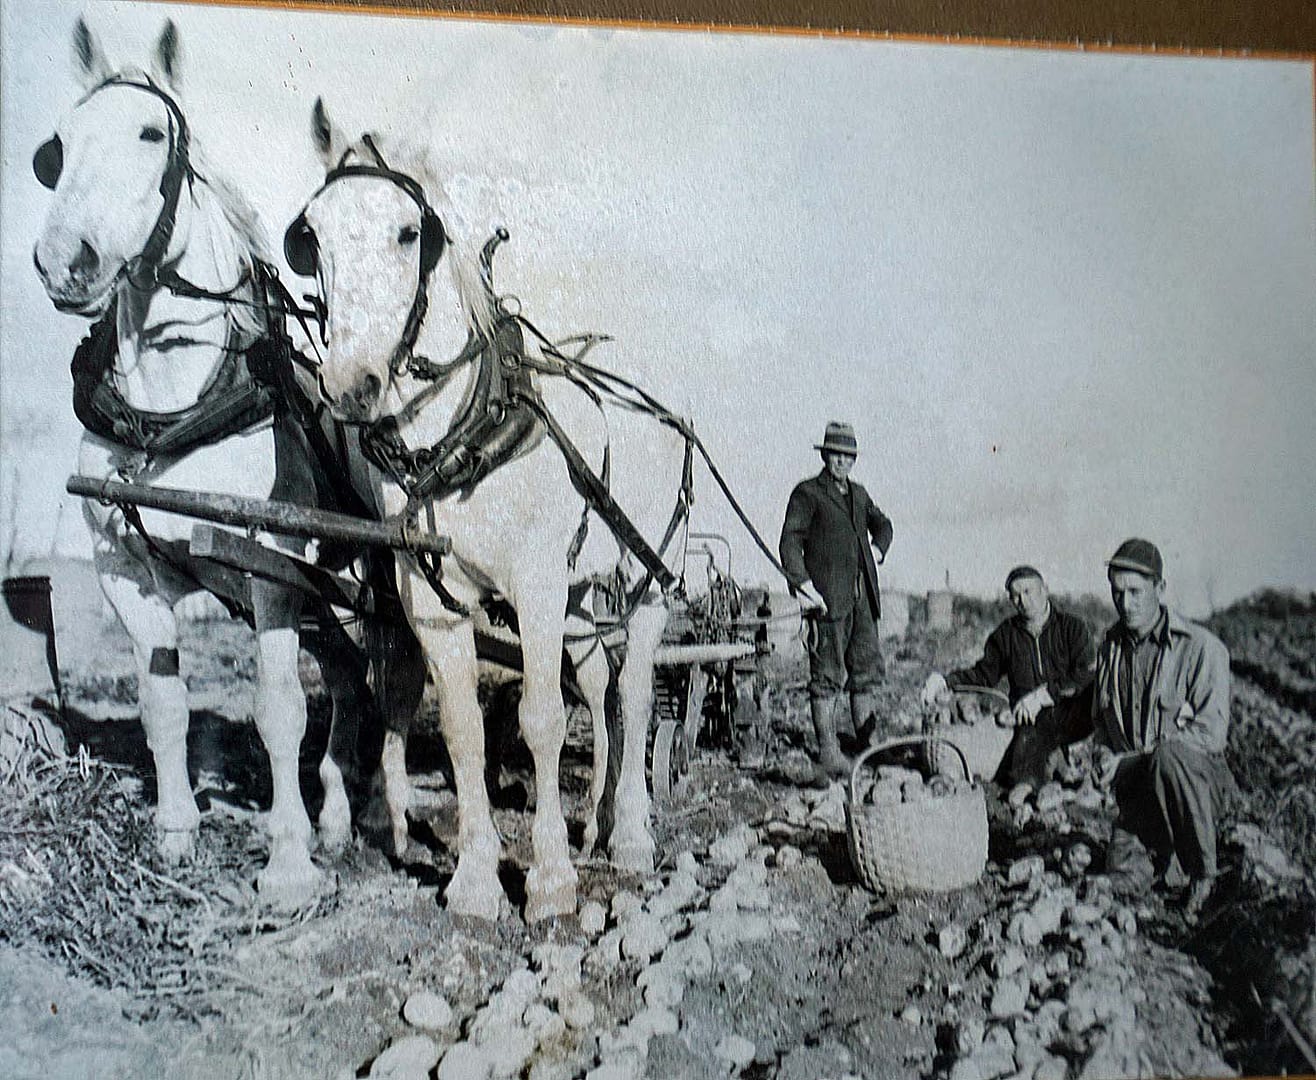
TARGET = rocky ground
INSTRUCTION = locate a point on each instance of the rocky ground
(754, 951)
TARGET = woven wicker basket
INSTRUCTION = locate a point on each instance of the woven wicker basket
(983, 742)
(936, 844)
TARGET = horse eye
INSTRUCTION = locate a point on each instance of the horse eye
(408, 235)
(151, 133)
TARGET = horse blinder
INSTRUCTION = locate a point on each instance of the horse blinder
(300, 247)
(433, 240)
(48, 162)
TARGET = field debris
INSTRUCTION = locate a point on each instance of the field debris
(79, 877)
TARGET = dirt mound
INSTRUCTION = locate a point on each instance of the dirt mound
(1272, 641)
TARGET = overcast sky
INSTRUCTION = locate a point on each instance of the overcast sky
(1062, 297)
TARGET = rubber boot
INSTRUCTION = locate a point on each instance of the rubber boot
(831, 762)
(863, 716)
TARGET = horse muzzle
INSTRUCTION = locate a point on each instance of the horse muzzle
(81, 288)
(359, 403)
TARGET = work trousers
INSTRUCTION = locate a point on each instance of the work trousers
(1170, 798)
(844, 653)
(1034, 749)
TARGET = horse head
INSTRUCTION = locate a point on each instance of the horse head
(117, 164)
(382, 255)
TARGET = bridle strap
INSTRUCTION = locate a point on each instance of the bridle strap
(400, 361)
(143, 270)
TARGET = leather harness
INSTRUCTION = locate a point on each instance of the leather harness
(505, 417)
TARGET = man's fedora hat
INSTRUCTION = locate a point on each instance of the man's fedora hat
(839, 440)
(1140, 556)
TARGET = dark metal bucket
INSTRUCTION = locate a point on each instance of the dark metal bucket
(29, 664)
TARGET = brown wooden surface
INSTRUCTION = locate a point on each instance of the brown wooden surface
(1281, 26)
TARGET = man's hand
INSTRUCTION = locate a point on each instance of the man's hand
(935, 691)
(1106, 765)
(1028, 707)
(811, 607)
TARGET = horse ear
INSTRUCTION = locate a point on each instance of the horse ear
(88, 55)
(323, 133)
(167, 62)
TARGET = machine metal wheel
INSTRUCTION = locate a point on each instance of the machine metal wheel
(693, 720)
(671, 762)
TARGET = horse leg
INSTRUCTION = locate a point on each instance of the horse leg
(551, 881)
(450, 649)
(399, 667)
(343, 669)
(289, 879)
(162, 695)
(592, 677)
(631, 845)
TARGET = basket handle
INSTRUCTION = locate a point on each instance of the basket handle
(908, 740)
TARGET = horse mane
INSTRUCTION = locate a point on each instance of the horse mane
(248, 236)
(238, 212)
(463, 256)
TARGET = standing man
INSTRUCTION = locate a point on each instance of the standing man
(830, 526)
(1047, 657)
(1161, 711)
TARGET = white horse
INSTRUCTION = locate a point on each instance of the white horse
(144, 237)
(397, 287)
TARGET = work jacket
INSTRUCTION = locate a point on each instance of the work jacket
(1191, 668)
(1061, 658)
(826, 540)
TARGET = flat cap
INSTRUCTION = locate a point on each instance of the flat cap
(1140, 556)
(1018, 572)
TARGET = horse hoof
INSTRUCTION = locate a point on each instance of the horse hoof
(466, 897)
(550, 895)
(175, 845)
(634, 855)
(290, 887)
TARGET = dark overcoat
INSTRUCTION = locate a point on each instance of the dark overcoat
(826, 540)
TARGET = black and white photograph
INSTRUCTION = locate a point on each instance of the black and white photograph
(576, 550)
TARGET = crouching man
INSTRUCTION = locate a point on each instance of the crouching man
(1046, 657)
(1161, 717)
